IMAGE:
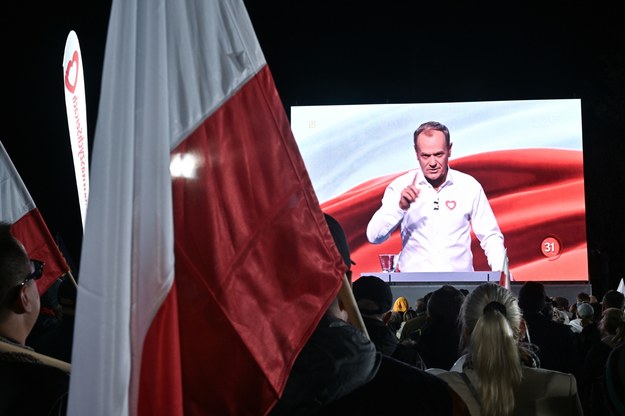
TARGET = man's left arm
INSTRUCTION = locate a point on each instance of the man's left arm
(487, 230)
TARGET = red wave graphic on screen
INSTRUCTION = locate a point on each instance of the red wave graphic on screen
(534, 193)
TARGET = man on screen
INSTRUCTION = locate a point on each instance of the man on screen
(436, 207)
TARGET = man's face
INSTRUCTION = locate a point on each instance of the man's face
(33, 293)
(433, 156)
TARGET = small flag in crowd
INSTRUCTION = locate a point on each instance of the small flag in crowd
(18, 208)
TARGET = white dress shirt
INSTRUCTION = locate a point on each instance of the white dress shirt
(436, 229)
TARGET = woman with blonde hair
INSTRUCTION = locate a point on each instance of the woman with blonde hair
(498, 375)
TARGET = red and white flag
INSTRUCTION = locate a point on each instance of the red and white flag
(504, 279)
(190, 282)
(18, 208)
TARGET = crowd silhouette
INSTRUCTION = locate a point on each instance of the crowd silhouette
(484, 351)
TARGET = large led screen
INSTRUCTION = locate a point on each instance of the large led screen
(527, 155)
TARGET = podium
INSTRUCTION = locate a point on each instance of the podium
(437, 277)
(414, 285)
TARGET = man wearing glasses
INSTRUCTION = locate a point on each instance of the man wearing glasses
(436, 207)
(22, 370)
(18, 289)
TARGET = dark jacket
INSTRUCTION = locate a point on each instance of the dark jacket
(336, 359)
(387, 343)
(557, 349)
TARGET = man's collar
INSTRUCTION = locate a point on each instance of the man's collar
(421, 180)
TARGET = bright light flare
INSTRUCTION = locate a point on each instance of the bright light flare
(184, 165)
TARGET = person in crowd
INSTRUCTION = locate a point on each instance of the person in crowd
(438, 341)
(374, 299)
(339, 371)
(23, 372)
(20, 297)
(436, 208)
(596, 307)
(420, 306)
(408, 315)
(497, 376)
(589, 335)
(412, 328)
(555, 341)
(592, 385)
(400, 306)
(613, 299)
(615, 380)
(585, 315)
(336, 359)
(395, 320)
(582, 297)
(562, 305)
(550, 311)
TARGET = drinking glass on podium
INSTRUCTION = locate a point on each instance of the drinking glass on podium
(387, 262)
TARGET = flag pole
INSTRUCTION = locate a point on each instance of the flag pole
(71, 277)
(349, 303)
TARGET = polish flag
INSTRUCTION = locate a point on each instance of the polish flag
(206, 261)
(504, 280)
(18, 208)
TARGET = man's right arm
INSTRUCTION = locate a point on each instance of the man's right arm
(387, 217)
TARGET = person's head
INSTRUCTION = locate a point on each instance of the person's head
(492, 324)
(550, 311)
(400, 305)
(613, 325)
(373, 296)
(561, 303)
(613, 299)
(432, 145)
(444, 305)
(420, 306)
(583, 297)
(340, 240)
(19, 295)
(336, 308)
(410, 314)
(491, 300)
(585, 311)
(532, 297)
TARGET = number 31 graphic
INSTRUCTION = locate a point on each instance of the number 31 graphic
(551, 247)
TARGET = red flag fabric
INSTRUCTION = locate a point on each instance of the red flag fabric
(18, 208)
(196, 297)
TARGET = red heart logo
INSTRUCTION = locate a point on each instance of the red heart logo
(71, 85)
(450, 204)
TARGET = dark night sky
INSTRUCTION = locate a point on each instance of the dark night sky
(356, 53)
